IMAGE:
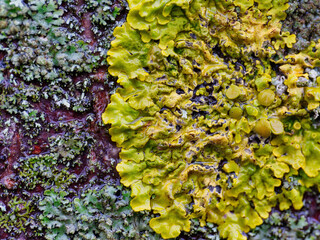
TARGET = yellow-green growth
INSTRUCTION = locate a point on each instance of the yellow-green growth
(197, 85)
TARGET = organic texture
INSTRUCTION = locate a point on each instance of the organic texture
(291, 224)
(53, 90)
(212, 122)
(97, 212)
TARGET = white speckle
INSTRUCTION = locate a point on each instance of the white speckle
(65, 102)
(3, 207)
(184, 113)
(278, 81)
(313, 74)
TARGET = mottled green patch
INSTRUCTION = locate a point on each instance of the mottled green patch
(100, 212)
(15, 216)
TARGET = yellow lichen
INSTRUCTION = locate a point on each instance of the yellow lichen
(204, 130)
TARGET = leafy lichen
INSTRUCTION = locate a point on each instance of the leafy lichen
(100, 212)
(213, 122)
(16, 215)
(43, 170)
(291, 224)
(52, 57)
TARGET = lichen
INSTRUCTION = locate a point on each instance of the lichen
(16, 215)
(213, 122)
(53, 84)
(68, 147)
(100, 212)
(43, 170)
(54, 87)
(291, 224)
(303, 20)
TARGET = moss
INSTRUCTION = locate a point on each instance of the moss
(187, 69)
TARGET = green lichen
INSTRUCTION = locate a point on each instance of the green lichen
(200, 82)
(210, 231)
(43, 170)
(291, 224)
(14, 217)
(67, 147)
(52, 73)
(100, 212)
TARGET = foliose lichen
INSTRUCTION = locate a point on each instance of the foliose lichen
(48, 78)
(213, 122)
(43, 170)
(15, 217)
(97, 212)
(303, 20)
(291, 224)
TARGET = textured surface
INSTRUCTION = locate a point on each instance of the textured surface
(57, 161)
(53, 90)
(215, 119)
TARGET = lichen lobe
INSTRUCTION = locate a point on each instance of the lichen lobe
(208, 127)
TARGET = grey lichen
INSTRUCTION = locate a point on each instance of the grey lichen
(303, 19)
(67, 147)
(51, 74)
(104, 14)
(17, 99)
(287, 226)
(290, 224)
(100, 212)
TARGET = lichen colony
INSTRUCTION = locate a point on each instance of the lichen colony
(215, 117)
